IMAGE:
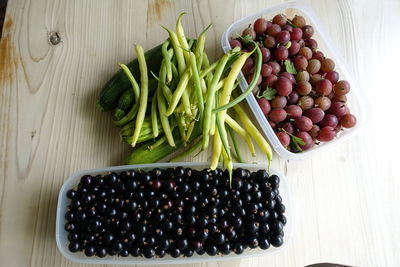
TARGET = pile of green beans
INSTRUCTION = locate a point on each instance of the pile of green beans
(190, 105)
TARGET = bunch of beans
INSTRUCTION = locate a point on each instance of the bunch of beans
(309, 100)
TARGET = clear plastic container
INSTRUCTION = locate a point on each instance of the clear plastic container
(63, 201)
(356, 99)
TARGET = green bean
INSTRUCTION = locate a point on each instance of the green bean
(196, 145)
(204, 72)
(134, 109)
(154, 120)
(132, 79)
(223, 135)
(162, 106)
(201, 40)
(181, 37)
(252, 84)
(176, 96)
(128, 117)
(190, 44)
(162, 82)
(182, 127)
(158, 143)
(220, 137)
(179, 109)
(253, 131)
(226, 95)
(175, 76)
(242, 132)
(228, 165)
(167, 60)
(186, 101)
(144, 84)
(220, 84)
(203, 86)
(206, 62)
(235, 145)
(210, 97)
(216, 151)
(212, 127)
(197, 85)
(191, 125)
(178, 50)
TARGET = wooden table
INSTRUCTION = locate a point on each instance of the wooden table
(346, 199)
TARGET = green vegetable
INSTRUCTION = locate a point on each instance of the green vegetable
(154, 120)
(135, 85)
(269, 93)
(196, 83)
(142, 154)
(235, 145)
(252, 84)
(146, 132)
(162, 108)
(144, 91)
(124, 103)
(176, 96)
(253, 131)
(193, 147)
(289, 66)
(167, 60)
(211, 98)
(119, 83)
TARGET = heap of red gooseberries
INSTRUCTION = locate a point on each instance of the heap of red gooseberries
(299, 91)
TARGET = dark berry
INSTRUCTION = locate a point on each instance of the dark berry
(252, 242)
(274, 181)
(160, 252)
(72, 194)
(101, 252)
(124, 253)
(90, 251)
(111, 179)
(135, 251)
(219, 238)
(74, 246)
(263, 243)
(182, 243)
(276, 240)
(211, 250)
(148, 252)
(69, 227)
(175, 252)
(238, 248)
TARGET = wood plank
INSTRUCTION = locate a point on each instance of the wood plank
(345, 198)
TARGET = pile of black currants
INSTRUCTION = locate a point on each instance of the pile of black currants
(299, 90)
(176, 211)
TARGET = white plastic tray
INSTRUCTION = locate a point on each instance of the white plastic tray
(63, 201)
(356, 99)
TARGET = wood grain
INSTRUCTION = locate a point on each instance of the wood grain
(346, 199)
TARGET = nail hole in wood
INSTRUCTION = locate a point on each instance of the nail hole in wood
(54, 38)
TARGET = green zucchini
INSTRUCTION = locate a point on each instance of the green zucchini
(119, 83)
(142, 153)
(124, 103)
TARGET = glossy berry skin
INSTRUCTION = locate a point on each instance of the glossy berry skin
(177, 211)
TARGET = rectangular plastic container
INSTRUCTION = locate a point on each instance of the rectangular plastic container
(63, 201)
(356, 99)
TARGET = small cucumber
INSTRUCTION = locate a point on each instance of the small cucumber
(124, 103)
(119, 83)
